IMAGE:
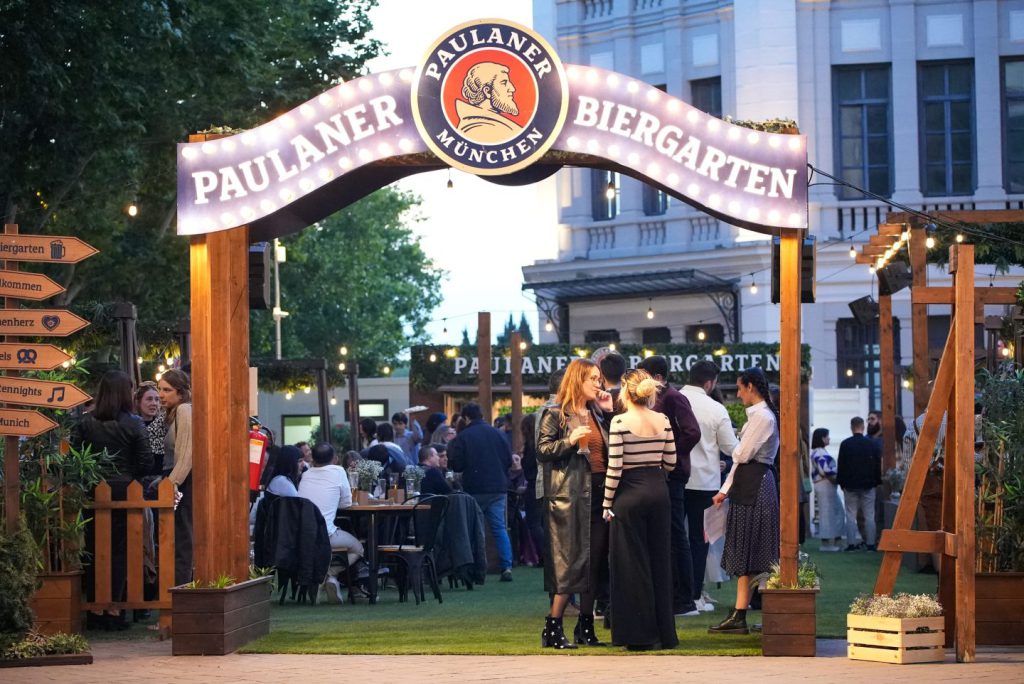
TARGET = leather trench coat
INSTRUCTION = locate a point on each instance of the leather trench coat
(567, 495)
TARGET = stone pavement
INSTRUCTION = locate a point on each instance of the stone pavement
(135, 662)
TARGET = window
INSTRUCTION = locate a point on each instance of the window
(297, 429)
(370, 408)
(947, 128)
(604, 194)
(600, 336)
(863, 125)
(1013, 125)
(857, 356)
(713, 333)
(706, 95)
(655, 201)
(656, 336)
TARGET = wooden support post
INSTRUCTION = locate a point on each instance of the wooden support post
(516, 383)
(789, 430)
(352, 378)
(962, 266)
(919, 315)
(886, 350)
(12, 476)
(324, 404)
(220, 388)
(483, 355)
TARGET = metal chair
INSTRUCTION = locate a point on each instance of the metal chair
(416, 552)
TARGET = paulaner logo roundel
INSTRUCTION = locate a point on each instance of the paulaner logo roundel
(490, 97)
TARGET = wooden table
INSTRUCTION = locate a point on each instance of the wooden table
(372, 511)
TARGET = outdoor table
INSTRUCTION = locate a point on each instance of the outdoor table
(372, 512)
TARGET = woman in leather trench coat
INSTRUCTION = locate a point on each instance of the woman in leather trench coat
(575, 423)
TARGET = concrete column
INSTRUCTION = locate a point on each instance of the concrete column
(987, 102)
(905, 144)
(766, 58)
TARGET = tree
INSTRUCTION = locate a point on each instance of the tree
(524, 329)
(94, 97)
(357, 278)
(465, 338)
(505, 338)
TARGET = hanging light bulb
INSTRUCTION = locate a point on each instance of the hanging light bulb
(959, 237)
(611, 346)
(853, 252)
(305, 390)
(1006, 351)
(849, 372)
(906, 384)
(929, 242)
(548, 325)
(387, 370)
(450, 184)
(334, 401)
(138, 360)
(753, 285)
(650, 311)
(701, 335)
(871, 269)
(288, 395)
(343, 351)
(609, 192)
(522, 346)
(132, 209)
(433, 357)
(341, 366)
(445, 330)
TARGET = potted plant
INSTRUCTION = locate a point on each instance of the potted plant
(414, 475)
(219, 617)
(999, 582)
(904, 628)
(368, 471)
(789, 613)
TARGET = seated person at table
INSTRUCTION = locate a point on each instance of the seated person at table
(433, 479)
(386, 452)
(326, 485)
(284, 478)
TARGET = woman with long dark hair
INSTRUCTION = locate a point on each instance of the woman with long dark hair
(572, 446)
(641, 452)
(176, 398)
(752, 525)
(284, 478)
(112, 426)
(831, 514)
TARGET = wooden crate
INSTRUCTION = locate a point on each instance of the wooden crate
(219, 621)
(788, 622)
(895, 640)
(57, 603)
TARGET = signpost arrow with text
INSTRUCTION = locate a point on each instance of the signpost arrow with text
(25, 285)
(20, 423)
(39, 322)
(58, 249)
(46, 393)
(31, 357)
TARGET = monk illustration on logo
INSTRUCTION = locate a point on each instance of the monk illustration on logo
(489, 95)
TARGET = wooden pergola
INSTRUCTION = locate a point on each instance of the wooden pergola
(952, 394)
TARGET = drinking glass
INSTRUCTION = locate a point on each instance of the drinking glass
(581, 421)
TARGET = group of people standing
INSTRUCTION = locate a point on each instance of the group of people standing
(616, 450)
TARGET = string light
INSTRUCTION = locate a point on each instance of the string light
(522, 346)
(849, 372)
(288, 395)
(906, 384)
(433, 357)
(138, 360)
(445, 331)
(959, 237)
(929, 242)
(853, 250)
(343, 351)
(450, 184)
(305, 390)
(611, 346)
(650, 310)
(341, 366)
(753, 285)
(548, 325)
(387, 370)
(132, 210)
(334, 401)
(609, 192)
(701, 335)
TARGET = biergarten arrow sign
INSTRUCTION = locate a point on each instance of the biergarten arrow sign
(39, 322)
(31, 357)
(46, 393)
(25, 285)
(58, 249)
(16, 422)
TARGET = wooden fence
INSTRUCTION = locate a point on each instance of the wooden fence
(134, 506)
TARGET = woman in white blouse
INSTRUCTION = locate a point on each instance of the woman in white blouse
(752, 526)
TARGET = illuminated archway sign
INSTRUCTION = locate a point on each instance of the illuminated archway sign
(491, 98)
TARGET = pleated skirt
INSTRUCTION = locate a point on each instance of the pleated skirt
(752, 532)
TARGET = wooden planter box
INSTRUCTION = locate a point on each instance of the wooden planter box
(895, 640)
(999, 608)
(219, 621)
(50, 660)
(57, 603)
(789, 622)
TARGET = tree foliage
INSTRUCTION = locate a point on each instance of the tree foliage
(358, 279)
(998, 244)
(94, 97)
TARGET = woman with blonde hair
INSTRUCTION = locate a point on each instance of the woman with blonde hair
(571, 448)
(641, 453)
(176, 398)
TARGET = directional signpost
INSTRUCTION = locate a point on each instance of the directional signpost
(18, 322)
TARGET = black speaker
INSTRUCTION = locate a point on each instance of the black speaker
(807, 270)
(894, 277)
(260, 254)
(865, 310)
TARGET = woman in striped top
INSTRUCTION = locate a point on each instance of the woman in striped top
(641, 451)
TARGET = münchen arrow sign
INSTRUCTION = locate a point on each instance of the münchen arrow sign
(31, 357)
(53, 248)
(39, 322)
(46, 393)
(24, 423)
(25, 285)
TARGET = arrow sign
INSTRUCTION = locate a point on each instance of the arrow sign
(31, 356)
(24, 423)
(39, 322)
(25, 285)
(46, 393)
(53, 248)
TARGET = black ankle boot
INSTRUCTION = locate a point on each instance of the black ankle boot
(553, 635)
(736, 623)
(584, 632)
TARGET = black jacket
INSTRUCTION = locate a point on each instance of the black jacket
(293, 538)
(125, 439)
(434, 482)
(860, 464)
(483, 457)
(460, 548)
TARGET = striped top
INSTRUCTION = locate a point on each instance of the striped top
(627, 450)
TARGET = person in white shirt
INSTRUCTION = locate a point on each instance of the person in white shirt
(326, 485)
(716, 435)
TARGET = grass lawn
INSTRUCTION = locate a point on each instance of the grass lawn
(506, 619)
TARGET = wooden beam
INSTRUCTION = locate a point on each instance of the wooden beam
(516, 381)
(881, 240)
(892, 229)
(919, 316)
(873, 250)
(945, 295)
(887, 377)
(789, 381)
(865, 259)
(921, 541)
(963, 447)
(483, 354)
(978, 216)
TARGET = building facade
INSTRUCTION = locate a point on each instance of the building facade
(918, 102)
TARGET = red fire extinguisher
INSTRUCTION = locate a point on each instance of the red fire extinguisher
(257, 456)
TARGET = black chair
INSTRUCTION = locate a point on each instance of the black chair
(413, 555)
(294, 540)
